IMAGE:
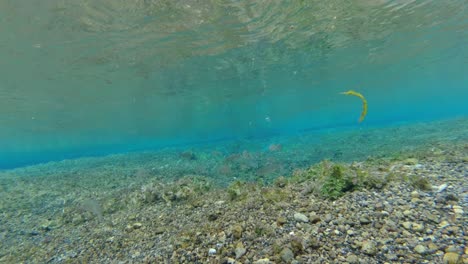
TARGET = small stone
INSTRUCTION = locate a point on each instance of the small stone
(287, 255)
(420, 249)
(296, 245)
(451, 198)
(137, 225)
(440, 188)
(407, 225)
(222, 237)
(314, 218)
(364, 220)
(458, 209)
(415, 194)
(407, 213)
(451, 249)
(451, 258)
(230, 261)
(32, 233)
(350, 232)
(352, 259)
(239, 251)
(301, 218)
(443, 224)
(433, 218)
(213, 216)
(410, 161)
(220, 202)
(281, 220)
(159, 230)
(263, 261)
(369, 247)
(392, 257)
(365, 234)
(237, 231)
(417, 227)
(313, 243)
(379, 206)
(432, 246)
(73, 254)
(211, 252)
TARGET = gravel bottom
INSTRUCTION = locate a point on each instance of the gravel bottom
(192, 219)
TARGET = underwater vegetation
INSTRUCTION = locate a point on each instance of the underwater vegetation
(364, 103)
(332, 180)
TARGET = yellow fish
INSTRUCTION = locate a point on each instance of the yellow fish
(364, 103)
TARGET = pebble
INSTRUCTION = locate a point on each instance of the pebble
(212, 252)
(237, 231)
(137, 225)
(451, 258)
(410, 161)
(301, 218)
(443, 224)
(263, 261)
(415, 194)
(364, 220)
(417, 227)
(379, 206)
(296, 245)
(441, 188)
(281, 220)
(407, 225)
(159, 230)
(392, 257)
(420, 249)
(222, 237)
(451, 249)
(433, 218)
(369, 247)
(407, 213)
(287, 255)
(314, 218)
(352, 259)
(458, 209)
(239, 251)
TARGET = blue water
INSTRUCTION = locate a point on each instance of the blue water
(90, 78)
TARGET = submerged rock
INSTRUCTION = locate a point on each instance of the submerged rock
(287, 255)
(301, 218)
(451, 258)
(369, 247)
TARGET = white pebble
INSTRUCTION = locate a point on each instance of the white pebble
(211, 251)
(441, 188)
(301, 217)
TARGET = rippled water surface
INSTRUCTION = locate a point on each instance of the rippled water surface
(84, 77)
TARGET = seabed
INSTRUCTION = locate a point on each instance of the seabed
(377, 195)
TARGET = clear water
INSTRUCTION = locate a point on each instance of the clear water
(141, 131)
(85, 77)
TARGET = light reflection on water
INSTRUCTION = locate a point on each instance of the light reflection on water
(86, 72)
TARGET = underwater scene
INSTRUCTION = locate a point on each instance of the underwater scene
(234, 132)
